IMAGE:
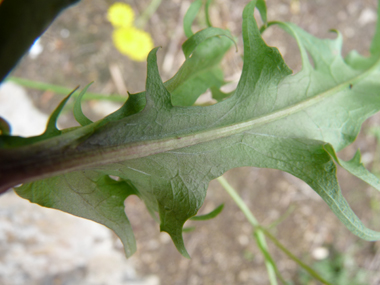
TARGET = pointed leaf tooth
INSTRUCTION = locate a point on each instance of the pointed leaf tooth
(158, 97)
(263, 66)
(78, 113)
(51, 127)
(210, 215)
(324, 52)
(177, 238)
(355, 167)
(304, 56)
(268, 62)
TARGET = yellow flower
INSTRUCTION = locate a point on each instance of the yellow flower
(133, 42)
(121, 15)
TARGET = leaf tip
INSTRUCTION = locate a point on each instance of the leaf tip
(177, 238)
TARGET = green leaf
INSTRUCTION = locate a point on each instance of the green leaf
(262, 7)
(190, 16)
(210, 215)
(207, 7)
(375, 45)
(169, 153)
(90, 195)
(355, 167)
(219, 95)
(199, 72)
(188, 229)
(189, 46)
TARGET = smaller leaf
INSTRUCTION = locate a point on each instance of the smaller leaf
(196, 86)
(190, 17)
(188, 229)
(78, 113)
(262, 7)
(219, 95)
(156, 93)
(375, 45)
(210, 215)
(355, 167)
(51, 127)
(207, 6)
(192, 42)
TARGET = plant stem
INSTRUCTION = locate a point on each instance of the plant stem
(259, 236)
(296, 259)
(238, 200)
(147, 13)
(64, 90)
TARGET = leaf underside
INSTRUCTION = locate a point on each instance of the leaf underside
(166, 152)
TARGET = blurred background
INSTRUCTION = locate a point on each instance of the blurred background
(44, 246)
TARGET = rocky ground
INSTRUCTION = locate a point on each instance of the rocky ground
(44, 246)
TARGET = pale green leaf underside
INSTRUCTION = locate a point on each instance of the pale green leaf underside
(293, 123)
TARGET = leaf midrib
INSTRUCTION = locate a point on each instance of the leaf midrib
(142, 149)
(58, 161)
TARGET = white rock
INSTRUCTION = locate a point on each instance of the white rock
(367, 16)
(18, 110)
(320, 253)
(36, 49)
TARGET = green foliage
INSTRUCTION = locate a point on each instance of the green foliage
(210, 215)
(166, 151)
